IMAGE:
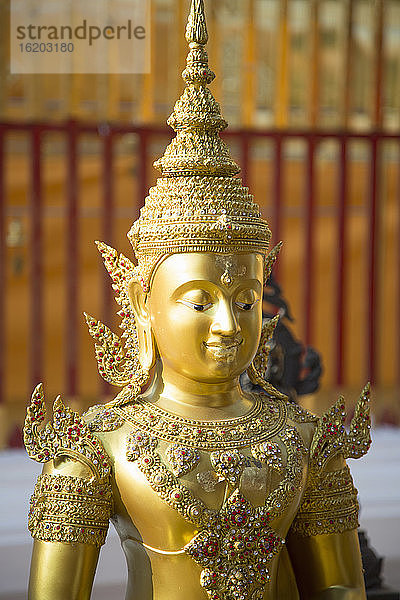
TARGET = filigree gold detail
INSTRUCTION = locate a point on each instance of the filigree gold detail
(182, 459)
(270, 454)
(299, 414)
(329, 505)
(358, 439)
(236, 553)
(66, 435)
(264, 420)
(270, 260)
(236, 543)
(118, 361)
(228, 465)
(70, 509)
(137, 441)
(102, 418)
(166, 484)
(258, 368)
(230, 270)
(113, 366)
(330, 437)
(196, 28)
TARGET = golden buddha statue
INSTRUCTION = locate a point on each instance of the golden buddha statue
(215, 493)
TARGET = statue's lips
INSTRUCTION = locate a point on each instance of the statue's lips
(223, 350)
(225, 346)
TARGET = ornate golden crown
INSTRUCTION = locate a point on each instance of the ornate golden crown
(198, 204)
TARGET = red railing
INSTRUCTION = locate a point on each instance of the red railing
(108, 133)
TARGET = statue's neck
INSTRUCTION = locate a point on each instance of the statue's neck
(198, 400)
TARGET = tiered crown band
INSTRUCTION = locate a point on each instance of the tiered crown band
(198, 204)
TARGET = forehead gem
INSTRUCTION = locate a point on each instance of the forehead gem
(226, 279)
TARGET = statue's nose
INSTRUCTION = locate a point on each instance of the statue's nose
(225, 322)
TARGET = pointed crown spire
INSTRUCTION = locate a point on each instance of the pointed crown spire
(196, 28)
(197, 119)
(198, 204)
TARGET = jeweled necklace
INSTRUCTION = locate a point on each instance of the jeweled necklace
(263, 421)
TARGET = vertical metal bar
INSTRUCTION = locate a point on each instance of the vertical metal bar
(282, 84)
(147, 104)
(108, 215)
(379, 65)
(248, 72)
(398, 261)
(2, 267)
(142, 184)
(277, 190)
(341, 264)
(245, 157)
(36, 275)
(107, 228)
(309, 242)
(315, 49)
(72, 262)
(348, 64)
(276, 220)
(372, 314)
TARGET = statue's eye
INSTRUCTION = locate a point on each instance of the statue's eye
(245, 305)
(197, 300)
(246, 299)
(200, 307)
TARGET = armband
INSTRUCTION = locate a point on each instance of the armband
(328, 506)
(70, 509)
(66, 508)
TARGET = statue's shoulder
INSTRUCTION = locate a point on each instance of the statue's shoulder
(298, 414)
(273, 399)
(66, 436)
(326, 437)
(102, 418)
(73, 498)
(105, 418)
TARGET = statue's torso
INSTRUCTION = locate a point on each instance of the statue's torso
(172, 477)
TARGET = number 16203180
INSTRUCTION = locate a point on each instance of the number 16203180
(46, 47)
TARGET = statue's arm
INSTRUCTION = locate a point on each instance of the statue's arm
(61, 571)
(328, 566)
(323, 541)
(68, 520)
(71, 503)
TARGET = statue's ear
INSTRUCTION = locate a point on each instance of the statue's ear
(137, 298)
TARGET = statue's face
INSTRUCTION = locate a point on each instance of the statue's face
(206, 312)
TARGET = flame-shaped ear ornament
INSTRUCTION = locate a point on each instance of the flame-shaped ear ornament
(257, 371)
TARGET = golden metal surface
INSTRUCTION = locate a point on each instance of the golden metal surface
(207, 482)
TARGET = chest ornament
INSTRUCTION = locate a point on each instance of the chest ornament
(236, 543)
(263, 421)
(182, 459)
(228, 465)
(270, 454)
(236, 552)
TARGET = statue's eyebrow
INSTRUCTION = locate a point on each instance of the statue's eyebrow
(200, 284)
(209, 286)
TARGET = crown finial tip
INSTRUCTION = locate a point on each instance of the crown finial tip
(196, 29)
